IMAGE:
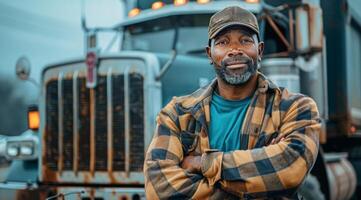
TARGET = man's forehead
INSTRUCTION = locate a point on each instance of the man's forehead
(241, 29)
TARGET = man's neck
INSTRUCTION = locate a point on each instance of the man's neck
(233, 92)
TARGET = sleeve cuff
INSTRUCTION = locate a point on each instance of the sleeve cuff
(211, 166)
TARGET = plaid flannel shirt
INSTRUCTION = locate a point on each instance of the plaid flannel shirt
(257, 170)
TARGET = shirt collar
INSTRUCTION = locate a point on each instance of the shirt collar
(204, 94)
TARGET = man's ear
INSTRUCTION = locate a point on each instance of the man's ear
(208, 51)
(260, 49)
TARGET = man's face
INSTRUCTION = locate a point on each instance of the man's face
(235, 53)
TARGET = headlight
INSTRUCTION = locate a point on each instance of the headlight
(12, 150)
(24, 149)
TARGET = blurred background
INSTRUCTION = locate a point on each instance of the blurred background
(45, 32)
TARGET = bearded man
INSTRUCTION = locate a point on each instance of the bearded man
(241, 137)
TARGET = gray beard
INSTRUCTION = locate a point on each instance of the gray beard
(236, 79)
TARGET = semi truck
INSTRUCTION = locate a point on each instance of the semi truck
(96, 114)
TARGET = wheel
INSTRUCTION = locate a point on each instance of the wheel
(354, 155)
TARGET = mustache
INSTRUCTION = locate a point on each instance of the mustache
(236, 59)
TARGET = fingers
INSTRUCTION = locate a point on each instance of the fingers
(273, 141)
(276, 140)
(191, 164)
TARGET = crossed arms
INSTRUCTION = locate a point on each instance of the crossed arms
(274, 170)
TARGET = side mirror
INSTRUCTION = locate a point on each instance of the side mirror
(23, 68)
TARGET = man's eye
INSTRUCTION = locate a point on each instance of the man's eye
(222, 42)
(247, 41)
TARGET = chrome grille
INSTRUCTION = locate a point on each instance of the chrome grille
(71, 100)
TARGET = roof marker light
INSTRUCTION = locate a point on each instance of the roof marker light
(134, 12)
(157, 5)
(252, 1)
(203, 1)
(180, 2)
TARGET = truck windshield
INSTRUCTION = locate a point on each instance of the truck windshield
(158, 35)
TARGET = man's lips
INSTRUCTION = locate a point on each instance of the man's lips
(236, 65)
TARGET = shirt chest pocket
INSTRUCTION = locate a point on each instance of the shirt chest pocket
(189, 137)
(269, 131)
(189, 142)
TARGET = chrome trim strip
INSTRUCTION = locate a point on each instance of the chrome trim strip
(75, 122)
(61, 121)
(126, 120)
(92, 130)
(110, 119)
(125, 190)
(18, 185)
(103, 192)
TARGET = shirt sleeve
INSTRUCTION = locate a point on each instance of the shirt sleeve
(274, 170)
(164, 178)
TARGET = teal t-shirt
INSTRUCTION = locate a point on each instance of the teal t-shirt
(226, 122)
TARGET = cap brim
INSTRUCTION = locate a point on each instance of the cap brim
(213, 35)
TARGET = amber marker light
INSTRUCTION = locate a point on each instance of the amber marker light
(134, 12)
(203, 1)
(252, 1)
(33, 118)
(157, 5)
(180, 2)
(353, 129)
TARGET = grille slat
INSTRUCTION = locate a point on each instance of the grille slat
(82, 124)
(60, 122)
(75, 122)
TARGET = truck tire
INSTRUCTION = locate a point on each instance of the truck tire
(354, 155)
(310, 189)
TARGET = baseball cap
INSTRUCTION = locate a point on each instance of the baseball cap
(232, 16)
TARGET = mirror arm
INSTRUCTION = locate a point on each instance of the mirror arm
(278, 32)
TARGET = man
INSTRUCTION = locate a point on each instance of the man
(241, 137)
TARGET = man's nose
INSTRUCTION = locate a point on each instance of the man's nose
(235, 51)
